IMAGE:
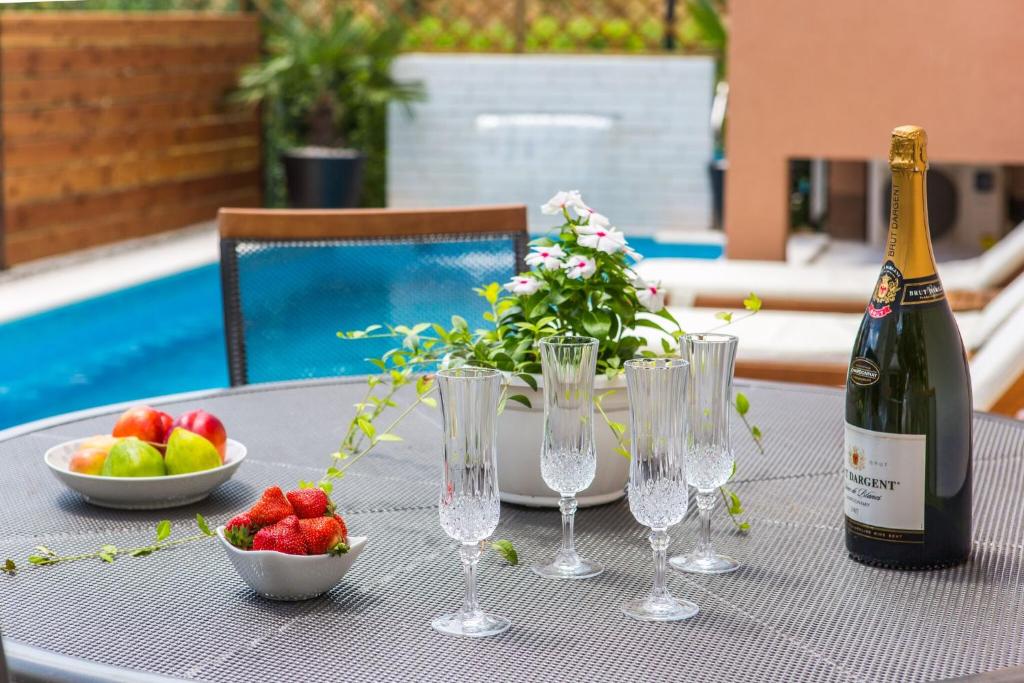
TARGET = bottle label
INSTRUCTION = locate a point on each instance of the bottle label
(884, 479)
(886, 297)
(893, 291)
(864, 372)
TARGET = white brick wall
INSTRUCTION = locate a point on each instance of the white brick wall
(631, 133)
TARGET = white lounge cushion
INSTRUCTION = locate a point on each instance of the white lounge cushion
(787, 336)
(999, 363)
(685, 278)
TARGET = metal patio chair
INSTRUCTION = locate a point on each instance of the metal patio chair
(292, 279)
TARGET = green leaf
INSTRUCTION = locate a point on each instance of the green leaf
(303, 484)
(459, 323)
(9, 567)
(722, 315)
(507, 551)
(623, 452)
(744, 526)
(429, 401)
(366, 427)
(45, 551)
(597, 324)
(755, 432)
(41, 560)
(519, 398)
(742, 404)
(142, 552)
(325, 486)
(389, 437)
(203, 526)
(752, 303)
(335, 473)
(163, 530)
(617, 427)
(529, 379)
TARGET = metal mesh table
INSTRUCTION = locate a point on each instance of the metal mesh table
(797, 610)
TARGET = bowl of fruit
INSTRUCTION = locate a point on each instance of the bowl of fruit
(149, 461)
(290, 546)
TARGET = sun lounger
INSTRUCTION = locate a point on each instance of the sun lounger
(815, 347)
(824, 287)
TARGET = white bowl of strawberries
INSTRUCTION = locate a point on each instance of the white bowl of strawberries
(290, 546)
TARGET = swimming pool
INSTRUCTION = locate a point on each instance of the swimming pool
(167, 336)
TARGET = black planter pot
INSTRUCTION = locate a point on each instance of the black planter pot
(323, 177)
(717, 170)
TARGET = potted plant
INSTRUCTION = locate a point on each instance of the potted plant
(581, 282)
(325, 81)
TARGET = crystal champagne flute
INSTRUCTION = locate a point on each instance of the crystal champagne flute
(568, 461)
(469, 507)
(709, 457)
(657, 471)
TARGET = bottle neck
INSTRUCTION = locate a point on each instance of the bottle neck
(909, 244)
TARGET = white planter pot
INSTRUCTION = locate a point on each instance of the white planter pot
(520, 433)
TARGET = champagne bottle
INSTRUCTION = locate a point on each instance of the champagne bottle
(907, 460)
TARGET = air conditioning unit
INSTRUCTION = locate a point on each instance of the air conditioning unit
(967, 205)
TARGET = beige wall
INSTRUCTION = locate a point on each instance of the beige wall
(831, 78)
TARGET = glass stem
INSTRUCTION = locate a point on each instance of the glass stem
(567, 504)
(659, 543)
(470, 553)
(705, 503)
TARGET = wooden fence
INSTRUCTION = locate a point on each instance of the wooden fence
(116, 125)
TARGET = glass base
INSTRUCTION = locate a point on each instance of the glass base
(704, 564)
(664, 608)
(478, 625)
(568, 567)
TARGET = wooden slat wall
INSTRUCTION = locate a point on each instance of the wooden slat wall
(116, 125)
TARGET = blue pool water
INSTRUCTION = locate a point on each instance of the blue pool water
(167, 336)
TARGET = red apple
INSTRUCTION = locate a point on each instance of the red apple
(145, 423)
(87, 460)
(205, 425)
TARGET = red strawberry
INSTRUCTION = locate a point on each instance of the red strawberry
(239, 531)
(284, 537)
(271, 508)
(310, 503)
(323, 535)
(344, 529)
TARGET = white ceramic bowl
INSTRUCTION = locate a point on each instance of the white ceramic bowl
(278, 576)
(142, 493)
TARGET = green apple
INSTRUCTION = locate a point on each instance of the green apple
(188, 452)
(131, 457)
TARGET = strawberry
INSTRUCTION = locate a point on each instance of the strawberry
(239, 531)
(344, 529)
(284, 537)
(323, 535)
(271, 508)
(310, 503)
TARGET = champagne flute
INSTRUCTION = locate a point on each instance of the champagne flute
(657, 471)
(709, 458)
(568, 461)
(469, 507)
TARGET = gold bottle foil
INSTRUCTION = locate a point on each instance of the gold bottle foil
(909, 245)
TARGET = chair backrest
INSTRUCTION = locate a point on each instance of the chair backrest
(997, 370)
(292, 279)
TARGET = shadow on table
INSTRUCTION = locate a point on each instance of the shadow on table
(342, 599)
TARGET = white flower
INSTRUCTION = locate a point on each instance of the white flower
(566, 199)
(523, 285)
(609, 240)
(548, 258)
(593, 217)
(580, 267)
(650, 295)
(633, 254)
